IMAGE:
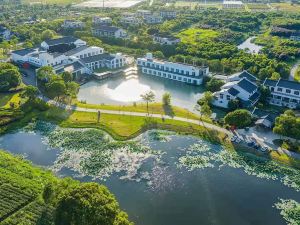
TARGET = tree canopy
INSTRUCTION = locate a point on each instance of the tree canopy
(288, 124)
(239, 118)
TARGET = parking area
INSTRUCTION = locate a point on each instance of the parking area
(28, 76)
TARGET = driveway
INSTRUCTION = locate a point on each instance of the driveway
(30, 78)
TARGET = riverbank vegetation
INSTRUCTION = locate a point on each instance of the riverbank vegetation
(31, 195)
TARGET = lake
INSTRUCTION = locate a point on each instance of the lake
(127, 90)
(172, 194)
(249, 46)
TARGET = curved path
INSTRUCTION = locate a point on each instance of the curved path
(293, 70)
(80, 109)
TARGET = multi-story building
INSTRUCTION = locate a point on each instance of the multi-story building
(284, 92)
(109, 31)
(232, 4)
(174, 71)
(106, 21)
(5, 33)
(105, 60)
(62, 44)
(73, 24)
(165, 40)
(153, 19)
(134, 21)
(244, 90)
(143, 13)
(168, 14)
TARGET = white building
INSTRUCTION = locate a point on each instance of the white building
(232, 5)
(109, 31)
(143, 13)
(243, 90)
(284, 92)
(75, 67)
(295, 38)
(168, 14)
(84, 51)
(60, 44)
(102, 20)
(73, 24)
(105, 61)
(153, 19)
(131, 21)
(165, 40)
(5, 33)
(174, 71)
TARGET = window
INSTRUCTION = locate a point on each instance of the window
(184, 79)
(169, 75)
(272, 88)
(148, 64)
(144, 63)
(193, 73)
(228, 97)
(154, 72)
(279, 89)
(182, 71)
(150, 71)
(159, 73)
(174, 77)
(296, 92)
(189, 80)
(179, 78)
(172, 69)
(221, 96)
(187, 73)
(167, 68)
(288, 91)
(177, 70)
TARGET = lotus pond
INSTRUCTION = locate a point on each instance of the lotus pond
(163, 178)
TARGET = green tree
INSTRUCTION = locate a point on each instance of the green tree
(47, 34)
(239, 118)
(166, 98)
(72, 88)
(89, 204)
(214, 85)
(45, 73)
(10, 77)
(30, 92)
(207, 97)
(234, 104)
(288, 124)
(148, 97)
(67, 76)
(56, 88)
(205, 110)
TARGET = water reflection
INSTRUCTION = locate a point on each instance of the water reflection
(122, 90)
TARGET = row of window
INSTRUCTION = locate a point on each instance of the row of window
(157, 73)
(285, 99)
(227, 97)
(89, 54)
(166, 68)
(288, 91)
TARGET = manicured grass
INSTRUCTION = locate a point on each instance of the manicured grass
(58, 2)
(7, 98)
(154, 108)
(195, 35)
(297, 75)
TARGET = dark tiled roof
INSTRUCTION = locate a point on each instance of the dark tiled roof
(289, 84)
(62, 40)
(106, 28)
(247, 85)
(76, 50)
(233, 91)
(271, 83)
(24, 51)
(74, 65)
(247, 75)
(95, 58)
(254, 97)
(260, 113)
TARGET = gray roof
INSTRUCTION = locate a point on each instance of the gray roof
(106, 28)
(254, 97)
(263, 114)
(247, 85)
(62, 40)
(247, 75)
(289, 84)
(76, 50)
(271, 83)
(95, 58)
(75, 67)
(24, 51)
(233, 91)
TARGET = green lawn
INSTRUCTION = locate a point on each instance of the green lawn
(297, 75)
(7, 98)
(58, 2)
(195, 35)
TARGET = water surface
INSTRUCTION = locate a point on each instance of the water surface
(176, 196)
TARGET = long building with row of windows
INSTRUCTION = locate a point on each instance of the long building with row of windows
(174, 71)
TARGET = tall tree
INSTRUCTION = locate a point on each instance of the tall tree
(148, 97)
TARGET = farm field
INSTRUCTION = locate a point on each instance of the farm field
(109, 3)
(286, 7)
(193, 5)
(58, 2)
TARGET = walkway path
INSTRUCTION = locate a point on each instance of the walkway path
(80, 109)
(293, 70)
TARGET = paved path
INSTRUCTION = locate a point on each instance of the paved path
(80, 109)
(293, 70)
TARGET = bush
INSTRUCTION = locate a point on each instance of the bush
(239, 118)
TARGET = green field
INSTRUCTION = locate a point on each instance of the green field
(194, 5)
(288, 7)
(195, 35)
(58, 2)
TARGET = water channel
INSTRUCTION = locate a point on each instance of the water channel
(172, 194)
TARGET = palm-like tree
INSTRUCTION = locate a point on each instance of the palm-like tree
(148, 97)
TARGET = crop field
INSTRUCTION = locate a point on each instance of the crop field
(58, 2)
(109, 3)
(286, 7)
(254, 7)
(194, 5)
(195, 35)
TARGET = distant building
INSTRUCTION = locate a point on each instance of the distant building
(284, 92)
(105, 60)
(131, 21)
(153, 19)
(165, 40)
(143, 13)
(295, 38)
(62, 44)
(168, 14)
(106, 21)
(128, 14)
(244, 90)
(174, 71)
(232, 4)
(5, 33)
(73, 24)
(109, 31)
